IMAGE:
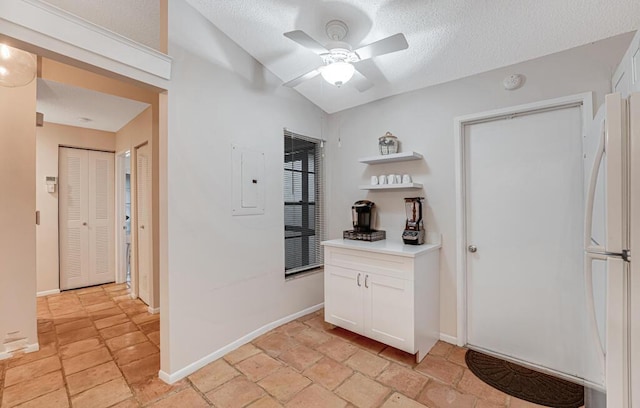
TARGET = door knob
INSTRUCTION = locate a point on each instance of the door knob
(473, 248)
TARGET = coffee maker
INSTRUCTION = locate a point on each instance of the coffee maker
(414, 233)
(362, 214)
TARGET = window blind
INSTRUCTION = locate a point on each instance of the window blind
(303, 203)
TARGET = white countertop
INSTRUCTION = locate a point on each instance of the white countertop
(385, 246)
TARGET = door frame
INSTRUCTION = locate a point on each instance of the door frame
(121, 268)
(460, 122)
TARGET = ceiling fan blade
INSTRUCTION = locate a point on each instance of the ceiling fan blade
(305, 40)
(360, 82)
(394, 43)
(305, 77)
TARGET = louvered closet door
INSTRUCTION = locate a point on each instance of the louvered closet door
(101, 218)
(73, 218)
(86, 218)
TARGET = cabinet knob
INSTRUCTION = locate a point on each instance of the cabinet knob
(358, 280)
(84, 224)
(473, 248)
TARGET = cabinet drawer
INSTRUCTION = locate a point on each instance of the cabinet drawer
(383, 264)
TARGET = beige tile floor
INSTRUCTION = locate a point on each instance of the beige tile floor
(99, 348)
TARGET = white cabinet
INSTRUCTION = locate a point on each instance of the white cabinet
(626, 78)
(384, 290)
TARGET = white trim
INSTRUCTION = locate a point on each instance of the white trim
(28, 349)
(49, 31)
(448, 338)
(48, 292)
(153, 310)
(193, 367)
(586, 99)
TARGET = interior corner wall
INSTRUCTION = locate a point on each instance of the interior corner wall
(423, 120)
(225, 273)
(48, 139)
(17, 219)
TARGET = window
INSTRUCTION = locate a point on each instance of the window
(303, 202)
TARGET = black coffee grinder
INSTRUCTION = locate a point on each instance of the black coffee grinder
(414, 233)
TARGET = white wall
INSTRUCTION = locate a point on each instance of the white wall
(225, 274)
(48, 139)
(423, 121)
(17, 218)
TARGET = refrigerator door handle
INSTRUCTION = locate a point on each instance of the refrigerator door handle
(591, 192)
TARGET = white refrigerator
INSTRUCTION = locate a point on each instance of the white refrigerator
(612, 226)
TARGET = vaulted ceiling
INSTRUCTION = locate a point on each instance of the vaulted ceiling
(448, 39)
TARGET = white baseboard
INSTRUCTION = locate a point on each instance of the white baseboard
(30, 348)
(48, 292)
(449, 339)
(193, 367)
(153, 310)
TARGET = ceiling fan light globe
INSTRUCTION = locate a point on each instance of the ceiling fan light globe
(17, 67)
(338, 73)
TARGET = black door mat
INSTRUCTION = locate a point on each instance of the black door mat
(524, 383)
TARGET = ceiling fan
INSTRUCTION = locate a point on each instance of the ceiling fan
(338, 58)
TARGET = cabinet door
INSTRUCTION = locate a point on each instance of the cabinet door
(343, 297)
(389, 311)
(101, 218)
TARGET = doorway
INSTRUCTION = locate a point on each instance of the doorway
(520, 227)
(86, 217)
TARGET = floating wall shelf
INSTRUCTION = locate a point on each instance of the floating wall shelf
(390, 158)
(414, 186)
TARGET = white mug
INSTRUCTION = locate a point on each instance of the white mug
(406, 179)
(374, 180)
(382, 179)
(398, 179)
(391, 179)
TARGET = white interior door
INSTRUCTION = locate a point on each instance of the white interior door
(73, 218)
(86, 218)
(524, 209)
(143, 203)
(101, 225)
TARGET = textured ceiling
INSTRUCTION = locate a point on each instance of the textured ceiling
(138, 20)
(72, 106)
(448, 39)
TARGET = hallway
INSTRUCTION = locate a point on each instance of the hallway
(97, 348)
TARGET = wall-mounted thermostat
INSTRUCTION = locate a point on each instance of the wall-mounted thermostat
(51, 183)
